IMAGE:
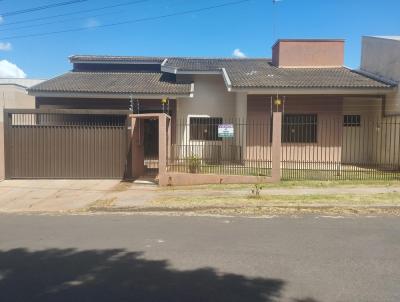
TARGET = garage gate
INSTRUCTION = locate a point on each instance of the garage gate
(66, 144)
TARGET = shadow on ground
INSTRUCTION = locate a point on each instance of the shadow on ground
(117, 275)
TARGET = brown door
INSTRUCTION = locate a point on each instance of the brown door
(66, 145)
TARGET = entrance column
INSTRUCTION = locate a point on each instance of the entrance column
(162, 143)
(137, 147)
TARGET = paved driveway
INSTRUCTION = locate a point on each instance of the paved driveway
(67, 195)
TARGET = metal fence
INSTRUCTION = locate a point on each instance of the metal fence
(349, 147)
(229, 146)
(66, 144)
(314, 147)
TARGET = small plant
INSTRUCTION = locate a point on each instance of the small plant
(256, 190)
(194, 163)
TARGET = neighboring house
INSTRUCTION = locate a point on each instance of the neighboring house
(325, 105)
(380, 57)
(13, 94)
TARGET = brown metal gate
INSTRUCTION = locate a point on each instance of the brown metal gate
(43, 143)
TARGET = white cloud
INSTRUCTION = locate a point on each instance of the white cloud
(92, 22)
(1, 19)
(10, 70)
(238, 53)
(5, 46)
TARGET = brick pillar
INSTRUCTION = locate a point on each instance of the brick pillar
(276, 146)
(162, 144)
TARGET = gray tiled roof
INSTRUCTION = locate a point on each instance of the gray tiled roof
(260, 73)
(115, 59)
(246, 73)
(114, 82)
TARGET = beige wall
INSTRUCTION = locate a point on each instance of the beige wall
(358, 141)
(381, 57)
(11, 96)
(211, 99)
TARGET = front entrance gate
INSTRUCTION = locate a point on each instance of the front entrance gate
(68, 144)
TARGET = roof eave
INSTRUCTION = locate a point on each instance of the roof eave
(94, 95)
(316, 90)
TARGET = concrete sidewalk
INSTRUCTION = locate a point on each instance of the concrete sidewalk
(68, 195)
(113, 195)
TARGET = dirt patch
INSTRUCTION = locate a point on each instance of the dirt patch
(100, 204)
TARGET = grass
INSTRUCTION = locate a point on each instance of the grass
(193, 201)
(298, 184)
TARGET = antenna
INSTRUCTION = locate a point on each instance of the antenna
(274, 18)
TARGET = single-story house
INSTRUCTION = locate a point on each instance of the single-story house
(221, 109)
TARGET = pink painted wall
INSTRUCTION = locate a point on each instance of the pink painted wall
(329, 128)
(312, 53)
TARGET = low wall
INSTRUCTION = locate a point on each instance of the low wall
(190, 179)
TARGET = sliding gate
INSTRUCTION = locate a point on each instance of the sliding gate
(43, 143)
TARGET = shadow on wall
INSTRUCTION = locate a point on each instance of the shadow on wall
(117, 275)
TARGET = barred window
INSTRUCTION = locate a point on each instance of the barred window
(353, 120)
(205, 128)
(299, 128)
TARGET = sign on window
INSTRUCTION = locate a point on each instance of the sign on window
(226, 131)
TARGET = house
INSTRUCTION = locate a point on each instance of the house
(220, 110)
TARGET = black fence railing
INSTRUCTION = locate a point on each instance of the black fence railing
(349, 147)
(314, 147)
(214, 145)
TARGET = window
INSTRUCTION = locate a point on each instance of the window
(352, 121)
(205, 128)
(299, 128)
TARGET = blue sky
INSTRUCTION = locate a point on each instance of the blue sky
(247, 26)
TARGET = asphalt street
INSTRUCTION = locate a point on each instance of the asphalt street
(165, 258)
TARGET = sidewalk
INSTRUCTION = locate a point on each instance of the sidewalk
(92, 196)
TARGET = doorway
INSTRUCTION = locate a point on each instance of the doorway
(150, 144)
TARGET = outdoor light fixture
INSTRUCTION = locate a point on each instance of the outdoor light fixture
(164, 101)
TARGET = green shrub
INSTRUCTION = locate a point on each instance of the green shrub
(194, 164)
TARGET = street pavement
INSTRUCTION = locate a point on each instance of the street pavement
(173, 258)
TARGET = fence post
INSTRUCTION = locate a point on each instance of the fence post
(276, 146)
(162, 144)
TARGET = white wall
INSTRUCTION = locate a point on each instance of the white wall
(381, 57)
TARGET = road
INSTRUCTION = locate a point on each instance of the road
(163, 258)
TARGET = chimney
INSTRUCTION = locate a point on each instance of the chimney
(308, 53)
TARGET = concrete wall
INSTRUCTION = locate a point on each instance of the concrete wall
(11, 96)
(381, 57)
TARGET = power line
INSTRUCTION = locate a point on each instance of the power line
(72, 19)
(198, 10)
(73, 13)
(37, 8)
